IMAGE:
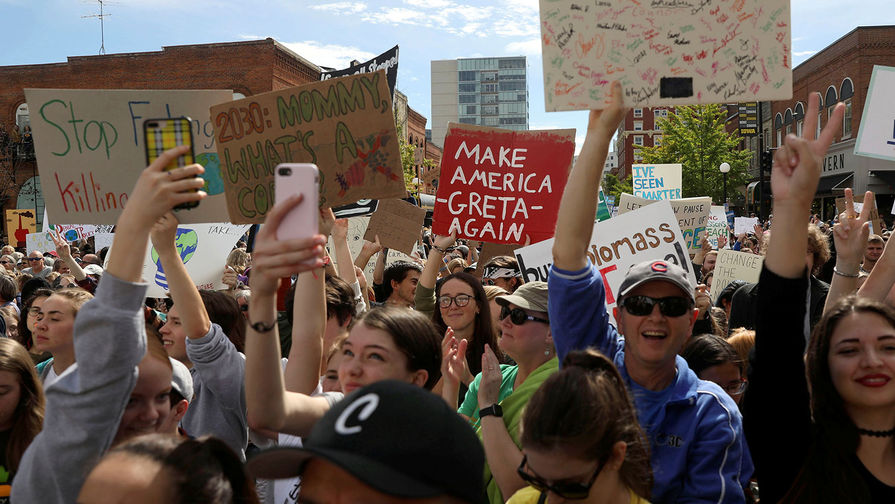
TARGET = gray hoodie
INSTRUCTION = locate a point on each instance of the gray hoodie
(219, 404)
(85, 405)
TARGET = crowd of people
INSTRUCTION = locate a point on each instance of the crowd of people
(448, 379)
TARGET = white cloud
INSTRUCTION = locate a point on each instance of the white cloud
(803, 53)
(526, 48)
(341, 7)
(432, 4)
(330, 55)
(245, 36)
(397, 15)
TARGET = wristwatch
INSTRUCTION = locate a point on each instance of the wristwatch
(494, 409)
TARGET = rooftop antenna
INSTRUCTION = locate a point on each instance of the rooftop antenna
(102, 15)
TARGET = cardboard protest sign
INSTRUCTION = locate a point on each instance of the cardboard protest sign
(103, 240)
(665, 52)
(876, 224)
(732, 265)
(346, 126)
(387, 61)
(491, 250)
(19, 223)
(501, 186)
(397, 223)
(658, 181)
(876, 135)
(40, 242)
(744, 225)
(90, 149)
(692, 216)
(717, 226)
(648, 233)
(203, 248)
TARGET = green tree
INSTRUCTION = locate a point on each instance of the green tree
(612, 186)
(694, 136)
(408, 163)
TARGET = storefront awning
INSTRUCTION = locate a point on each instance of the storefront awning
(831, 183)
(888, 176)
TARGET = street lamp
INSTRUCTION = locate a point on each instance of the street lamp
(725, 167)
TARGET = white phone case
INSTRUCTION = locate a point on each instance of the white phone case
(298, 178)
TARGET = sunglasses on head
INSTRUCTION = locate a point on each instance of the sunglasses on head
(565, 490)
(641, 306)
(518, 316)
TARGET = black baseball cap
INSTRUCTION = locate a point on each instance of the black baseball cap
(395, 437)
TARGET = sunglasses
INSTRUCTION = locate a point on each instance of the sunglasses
(565, 490)
(5, 262)
(460, 300)
(518, 316)
(641, 306)
(35, 259)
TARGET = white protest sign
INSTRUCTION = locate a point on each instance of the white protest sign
(876, 135)
(744, 225)
(648, 233)
(732, 265)
(657, 181)
(717, 226)
(692, 215)
(203, 248)
(90, 148)
(665, 52)
(103, 240)
(40, 242)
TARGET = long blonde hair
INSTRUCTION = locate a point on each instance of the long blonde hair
(29, 414)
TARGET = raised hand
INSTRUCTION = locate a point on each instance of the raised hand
(63, 249)
(274, 259)
(340, 229)
(158, 191)
(489, 386)
(164, 232)
(798, 162)
(851, 232)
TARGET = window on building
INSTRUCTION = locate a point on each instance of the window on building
(638, 125)
(638, 112)
(846, 120)
(638, 139)
(467, 75)
(467, 98)
(817, 133)
(657, 141)
(779, 137)
(663, 113)
(472, 109)
(467, 120)
(490, 121)
(511, 63)
(799, 125)
(637, 155)
(467, 87)
(788, 129)
(23, 118)
(511, 85)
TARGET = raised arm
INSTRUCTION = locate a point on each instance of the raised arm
(850, 237)
(63, 250)
(575, 222)
(269, 405)
(190, 307)
(309, 307)
(343, 255)
(366, 252)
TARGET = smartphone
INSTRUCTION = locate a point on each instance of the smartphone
(298, 178)
(160, 135)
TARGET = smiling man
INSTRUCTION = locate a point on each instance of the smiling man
(697, 449)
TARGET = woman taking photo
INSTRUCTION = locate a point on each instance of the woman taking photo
(581, 440)
(497, 396)
(834, 443)
(21, 407)
(384, 344)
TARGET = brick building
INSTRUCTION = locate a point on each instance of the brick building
(638, 128)
(247, 68)
(841, 72)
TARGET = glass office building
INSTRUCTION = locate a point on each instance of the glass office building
(482, 91)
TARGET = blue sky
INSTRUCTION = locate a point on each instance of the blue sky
(331, 33)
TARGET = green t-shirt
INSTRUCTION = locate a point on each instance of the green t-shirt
(470, 406)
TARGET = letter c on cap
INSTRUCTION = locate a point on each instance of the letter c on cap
(660, 267)
(369, 403)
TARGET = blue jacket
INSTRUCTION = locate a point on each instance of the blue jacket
(698, 452)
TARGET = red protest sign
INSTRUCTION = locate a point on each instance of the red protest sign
(501, 186)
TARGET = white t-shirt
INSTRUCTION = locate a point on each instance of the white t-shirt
(51, 377)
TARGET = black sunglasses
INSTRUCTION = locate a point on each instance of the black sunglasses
(641, 306)
(35, 258)
(565, 490)
(518, 316)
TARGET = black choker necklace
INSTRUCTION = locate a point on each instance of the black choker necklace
(877, 433)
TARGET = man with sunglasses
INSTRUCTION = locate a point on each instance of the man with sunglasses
(698, 453)
(36, 267)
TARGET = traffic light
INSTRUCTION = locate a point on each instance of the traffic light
(767, 160)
